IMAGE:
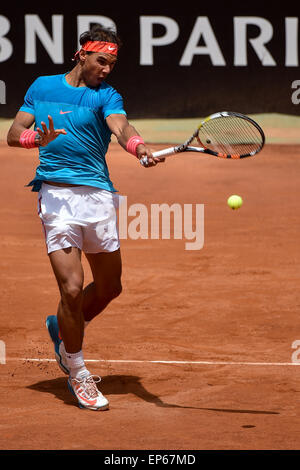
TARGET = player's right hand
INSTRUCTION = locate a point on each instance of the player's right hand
(47, 135)
(144, 154)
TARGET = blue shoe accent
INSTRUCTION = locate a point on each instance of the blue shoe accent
(52, 326)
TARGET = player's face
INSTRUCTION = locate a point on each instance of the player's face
(96, 67)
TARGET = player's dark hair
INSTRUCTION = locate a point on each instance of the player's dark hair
(100, 33)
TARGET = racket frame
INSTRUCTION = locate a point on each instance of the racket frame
(185, 147)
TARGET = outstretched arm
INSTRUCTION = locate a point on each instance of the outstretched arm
(123, 131)
(24, 121)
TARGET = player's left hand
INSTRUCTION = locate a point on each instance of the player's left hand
(47, 135)
(146, 158)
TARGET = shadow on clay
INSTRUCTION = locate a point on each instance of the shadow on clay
(110, 385)
(125, 385)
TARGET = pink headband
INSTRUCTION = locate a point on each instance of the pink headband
(100, 46)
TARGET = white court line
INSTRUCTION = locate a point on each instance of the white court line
(128, 361)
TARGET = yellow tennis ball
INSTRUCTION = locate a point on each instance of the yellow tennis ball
(234, 201)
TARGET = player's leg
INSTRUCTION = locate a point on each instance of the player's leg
(101, 245)
(67, 267)
(68, 270)
(64, 245)
(106, 270)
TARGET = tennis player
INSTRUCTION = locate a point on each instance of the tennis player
(74, 115)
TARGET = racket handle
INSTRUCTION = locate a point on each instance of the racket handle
(160, 153)
(164, 153)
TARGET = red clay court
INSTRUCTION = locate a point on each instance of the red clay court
(222, 318)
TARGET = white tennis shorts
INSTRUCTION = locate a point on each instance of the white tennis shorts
(79, 216)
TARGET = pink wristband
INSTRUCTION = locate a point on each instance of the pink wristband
(27, 139)
(132, 144)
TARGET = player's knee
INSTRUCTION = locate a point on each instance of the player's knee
(71, 292)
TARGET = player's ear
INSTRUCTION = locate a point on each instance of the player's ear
(82, 55)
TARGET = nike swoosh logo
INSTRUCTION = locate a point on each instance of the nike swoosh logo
(90, 402)
(80, 392)
(65, 112)
(111, 48)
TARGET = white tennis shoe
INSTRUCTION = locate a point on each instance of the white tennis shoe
(87, 393)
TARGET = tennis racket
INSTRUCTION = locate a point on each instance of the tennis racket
(226, 135)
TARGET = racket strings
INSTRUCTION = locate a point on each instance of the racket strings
(234, 136)
(234, 132)
(230, 135)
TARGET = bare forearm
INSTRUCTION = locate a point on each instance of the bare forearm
(125, 134)
(13, 136)
(21, 122)
(123, 131)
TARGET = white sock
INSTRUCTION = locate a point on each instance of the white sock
(76, 365)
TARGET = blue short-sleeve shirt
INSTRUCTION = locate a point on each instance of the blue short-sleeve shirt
(79, 156)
